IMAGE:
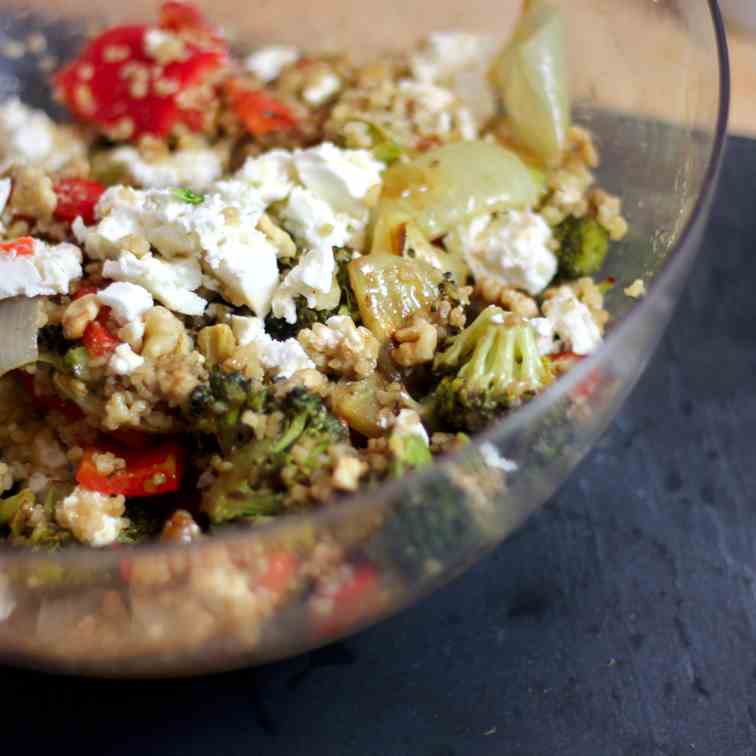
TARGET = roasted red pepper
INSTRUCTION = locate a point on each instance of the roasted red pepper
(188, 18)
(259, 112)
(116, 85)
(98, 340)
(337, 611)
(21, 247)
(148, 472)
(77, 197)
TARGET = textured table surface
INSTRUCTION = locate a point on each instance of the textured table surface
(619, 621)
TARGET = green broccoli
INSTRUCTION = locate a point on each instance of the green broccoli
(216, 407)
(31, 523)
(493, 365)
(433, 528)
(260, 473)
(409, 450)
(584, 243)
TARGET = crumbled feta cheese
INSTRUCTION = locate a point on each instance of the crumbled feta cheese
(433, 98)
(544, 329)
(124, 360)
(171, 282)
(191, 168)
(321, 90)
(26, 134)
(270, 174)
(512, 248)
(94, 518)
(572, 322)
(7, 599)
(247, 266)
(281, 358)
(492, 458)
(268, 62)
(311, 276)
(408, 423)
(341, 177)
(445, 53)
(49, 270)
(128, 301)
(219, 230)
(313, 222)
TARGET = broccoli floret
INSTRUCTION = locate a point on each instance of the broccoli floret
(409, 449)
(307, 316)
(494, 365)
(435, 527)
(584, 243)
(216, 407)
(32, 524)
(261, 471)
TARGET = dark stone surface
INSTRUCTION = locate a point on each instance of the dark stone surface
(619, 622)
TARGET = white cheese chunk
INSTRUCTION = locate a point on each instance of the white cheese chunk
(311, 276)
(48, 270)
(445, 53)
(271, 174)
(313, 222)
(572, 322)
(342, 178)
(322, 90)
(268, 62)
(94, 518)
(545, 337)
(128, 301)
(191, 168)
(124, 360)
(246, 264)
(281, 358)
(171, 282)
(26, 134)
(512, 248)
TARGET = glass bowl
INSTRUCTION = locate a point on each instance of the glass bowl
(650, 79)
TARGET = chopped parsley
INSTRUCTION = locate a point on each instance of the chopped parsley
(187, 195)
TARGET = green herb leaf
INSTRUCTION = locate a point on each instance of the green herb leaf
(187, 195)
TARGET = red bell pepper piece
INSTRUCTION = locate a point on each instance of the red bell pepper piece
(21, 247)
(336, 612)
(259, 112)
(77, 197)
(116, 85)
(98, 341)
(148, 472)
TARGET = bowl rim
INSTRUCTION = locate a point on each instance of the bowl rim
(680, 252)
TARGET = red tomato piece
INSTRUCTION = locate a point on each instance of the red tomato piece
(336, 612)
(281, 569)
(21, 247)
(148, 472)
(98, 340)
(259, 112)
(116, 85)
(77, 197)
